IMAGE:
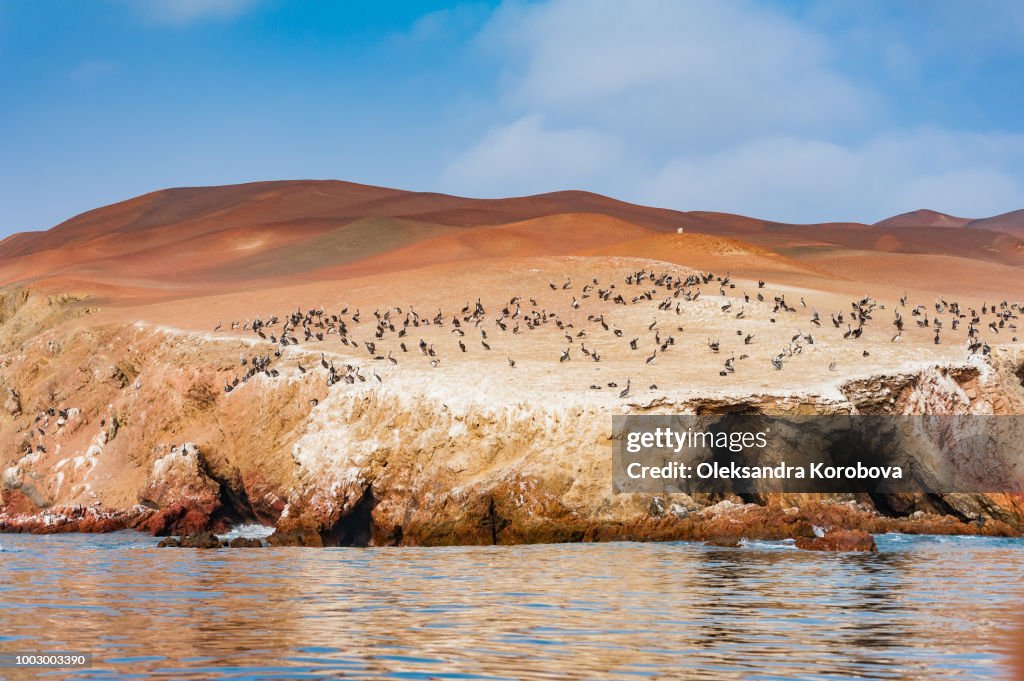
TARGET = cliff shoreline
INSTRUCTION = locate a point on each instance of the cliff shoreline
(147, 441)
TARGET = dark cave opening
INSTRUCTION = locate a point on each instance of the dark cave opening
(355, 528)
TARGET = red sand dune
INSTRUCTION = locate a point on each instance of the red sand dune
(199, 241)
(1012, 223)
(923, 218)
(562, 234)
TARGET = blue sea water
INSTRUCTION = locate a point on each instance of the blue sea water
(921, 608)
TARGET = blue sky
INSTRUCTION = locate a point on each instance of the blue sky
(797, 111)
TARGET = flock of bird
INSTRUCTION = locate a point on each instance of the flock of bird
(396, 334)
(588, 332)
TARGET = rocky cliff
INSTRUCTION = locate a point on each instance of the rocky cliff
(112, 425)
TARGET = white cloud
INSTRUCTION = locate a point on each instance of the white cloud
(181, 12)
(694, 71)
(527, 157)
(445, 24)
(92, 70)
(784, 178)
(717, 106)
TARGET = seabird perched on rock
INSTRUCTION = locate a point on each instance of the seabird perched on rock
(625, 391)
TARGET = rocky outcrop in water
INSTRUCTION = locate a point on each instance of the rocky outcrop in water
(186, 499)
(128, 427)
(839, 540)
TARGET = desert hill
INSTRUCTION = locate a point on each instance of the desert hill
(1012, 222)
(196, 241)
(923, 218)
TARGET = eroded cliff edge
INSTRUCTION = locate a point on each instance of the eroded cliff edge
(114, 426)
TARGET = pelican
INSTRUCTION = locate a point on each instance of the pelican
(625, 391)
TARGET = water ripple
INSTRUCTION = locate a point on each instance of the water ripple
(921, 608)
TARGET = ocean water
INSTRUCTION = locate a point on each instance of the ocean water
(921, 608)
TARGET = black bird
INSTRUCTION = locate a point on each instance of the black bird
(565, 356)
(511, 362)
